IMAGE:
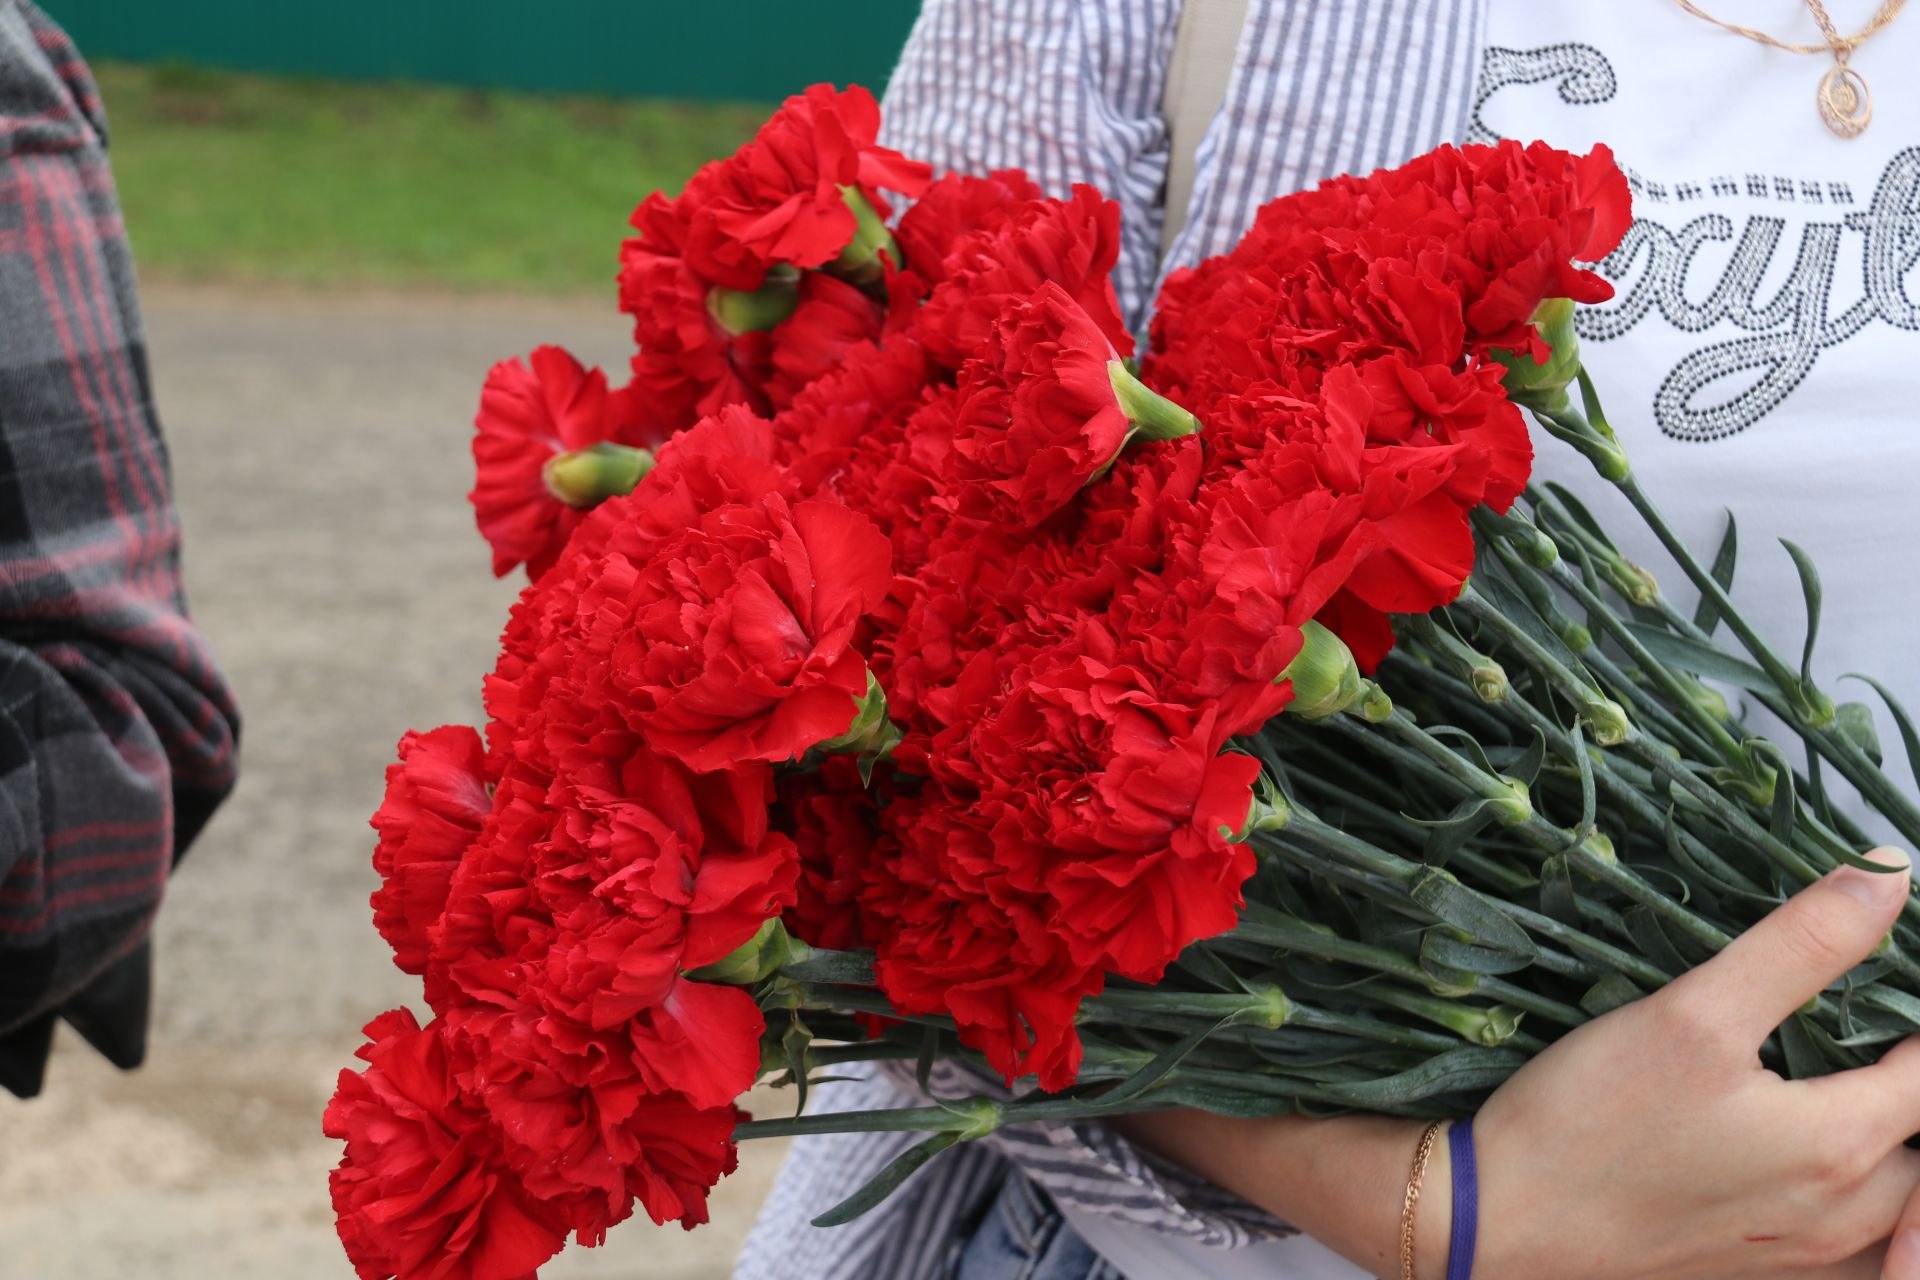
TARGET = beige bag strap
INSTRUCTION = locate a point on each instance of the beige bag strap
(1204, 44)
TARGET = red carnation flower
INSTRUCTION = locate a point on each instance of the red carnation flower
(718, 625)
(960, 938)
(957, 205)
(1046, 408)
(1072, 243)
(422, 1188)
(435, 804)
(794, 194)
(831, 318)
(580, 1125)
(1111, 798)
(831, 815)
(740, 646)
(701, 349)
(527, 417)
(559, 964)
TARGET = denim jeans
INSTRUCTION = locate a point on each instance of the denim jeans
(1023, 1237)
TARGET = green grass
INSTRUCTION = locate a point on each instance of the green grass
(251, 179)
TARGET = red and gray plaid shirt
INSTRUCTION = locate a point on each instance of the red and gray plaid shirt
(117, 730)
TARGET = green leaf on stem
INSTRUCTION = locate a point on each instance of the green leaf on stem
(1527, 767)
(1810, 591)
(1707, 615)
(1855, 720)
(1785, 812)
(1210, 969)
(1471, 744)
(795, 1043)
(1473, 914)
(1444, 956)
(1557, 898)
(1589, 796)
(1644, 928)
(1449, 835)
(1608, 994)
(888, 1180)
(1462, 1069)
(839, 968)
(923, 1067)
(1909, 738)
(1678, 851)
(1804, 1059)
(1700, 659)
(1581, 516)
(1164, 1062)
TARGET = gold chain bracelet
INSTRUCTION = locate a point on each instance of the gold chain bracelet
(1414, 1179)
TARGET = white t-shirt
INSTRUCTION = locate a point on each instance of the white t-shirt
(1763, 350)
(1762, 354)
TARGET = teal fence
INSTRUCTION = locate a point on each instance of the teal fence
(749, 50)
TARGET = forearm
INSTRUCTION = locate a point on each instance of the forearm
(1341, 1180)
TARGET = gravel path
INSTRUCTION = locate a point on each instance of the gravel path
(319, 448)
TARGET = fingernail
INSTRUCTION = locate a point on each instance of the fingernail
(1903, 1256)
(1875, 888)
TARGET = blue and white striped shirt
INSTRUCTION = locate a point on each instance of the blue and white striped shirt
(1071, 91)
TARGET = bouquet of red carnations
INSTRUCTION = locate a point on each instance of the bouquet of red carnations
(908, 670)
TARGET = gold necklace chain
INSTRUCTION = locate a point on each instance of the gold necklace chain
(1845, 105)
(1834, 40)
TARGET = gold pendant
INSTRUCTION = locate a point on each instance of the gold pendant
(1845, 104)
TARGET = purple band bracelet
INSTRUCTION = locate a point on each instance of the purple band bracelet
(1466, 1202)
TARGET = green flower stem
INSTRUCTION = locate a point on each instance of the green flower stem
(1265, 936)
(859, 1000)
(1706, 737)
(1488, 677)
(1489, 1026)
(1789, 681)
(1513, 883)
(1544, 835)
(1465, 776)
(1187, 1007)
(1647, 709)
(1608, 722)
(1832, 745)
(1504, 992)
(1729, 749)
(1553, 840)
(1385, 893)
(1585, 944)
(1607, 774)
(972, 1117)
(834, 1055)
(1731, 815)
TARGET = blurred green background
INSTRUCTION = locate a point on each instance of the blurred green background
(449, 144)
